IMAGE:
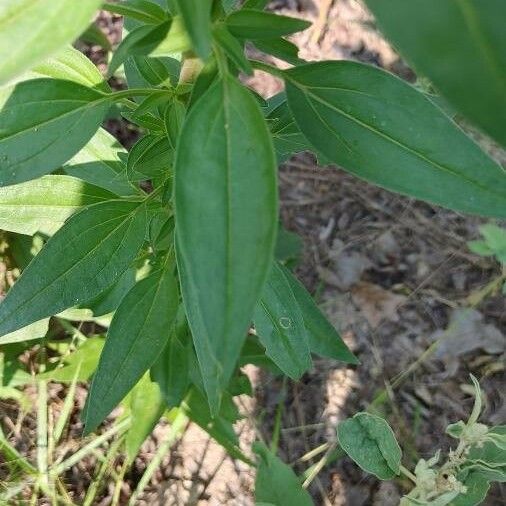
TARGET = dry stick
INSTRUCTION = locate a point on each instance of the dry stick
(321, 22)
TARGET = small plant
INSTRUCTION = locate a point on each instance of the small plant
(462, 479)
(171, 246)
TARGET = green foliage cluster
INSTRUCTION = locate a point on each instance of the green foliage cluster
(174, 246)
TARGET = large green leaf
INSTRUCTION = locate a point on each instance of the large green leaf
(80, 261)
(99, 163)
(138, 333)
(43, 205)
(30, 31)
(280, 326)
(196, 16)
(276, 484)
(460, 46)
(371, 443)
(226, 214)
(322, 337)
(255, 24)
(43, 123)
(383, 130)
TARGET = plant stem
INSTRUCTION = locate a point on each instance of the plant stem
(178, 426)
(83, 452)
(268, 68)
(408, 473)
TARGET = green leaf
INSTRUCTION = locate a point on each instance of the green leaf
(33, 116)
(140, 41)
(489, 453)
(276, 483)
(141, 10)
(146, 71)
(33, 331)
(460, 46)
(83, 361)
(174, 118)
(254, 24)
(322, 337)
(477, 489)
(280, 48)
(146, 408)
(219, 427)
(138, 333)
(150, 157)
(70, 65)
(371, 443)
(226, 213)
(32, 31)
(109, 300)
(99, 163)
(232, 48)
(287, 137)
(280, 326)
(196, 16)
(80, 261)
(44, 204)
(171, 371)
(383, 130)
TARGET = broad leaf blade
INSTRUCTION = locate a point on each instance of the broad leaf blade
(138, 333)
(33, 116)
(196, 16)
(43, 205)
(32, 31)
(460, 46)
(322, 337)
(371, 443)
(280, 326)
(80, 261)
(276, 484)
(383, 130)
(226, 213)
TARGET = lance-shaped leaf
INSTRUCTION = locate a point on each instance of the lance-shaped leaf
(140, 10)
(254, 24)
(146, 407)
(150, 157)
(80, 261)
(226, 214)
(31, 31)
(371, 443)
(280, 326)
(43, 205)
(139, 331)
(460, 46)
(381, 129)
(100, 164)
(322, 337)
(43, 123)
(196, 16)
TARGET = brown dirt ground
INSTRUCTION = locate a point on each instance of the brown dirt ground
(391, 273)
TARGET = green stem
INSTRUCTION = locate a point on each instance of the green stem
(408, 473)
(133, 92)
(178, 425)
(83, 452)
(268, 68)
